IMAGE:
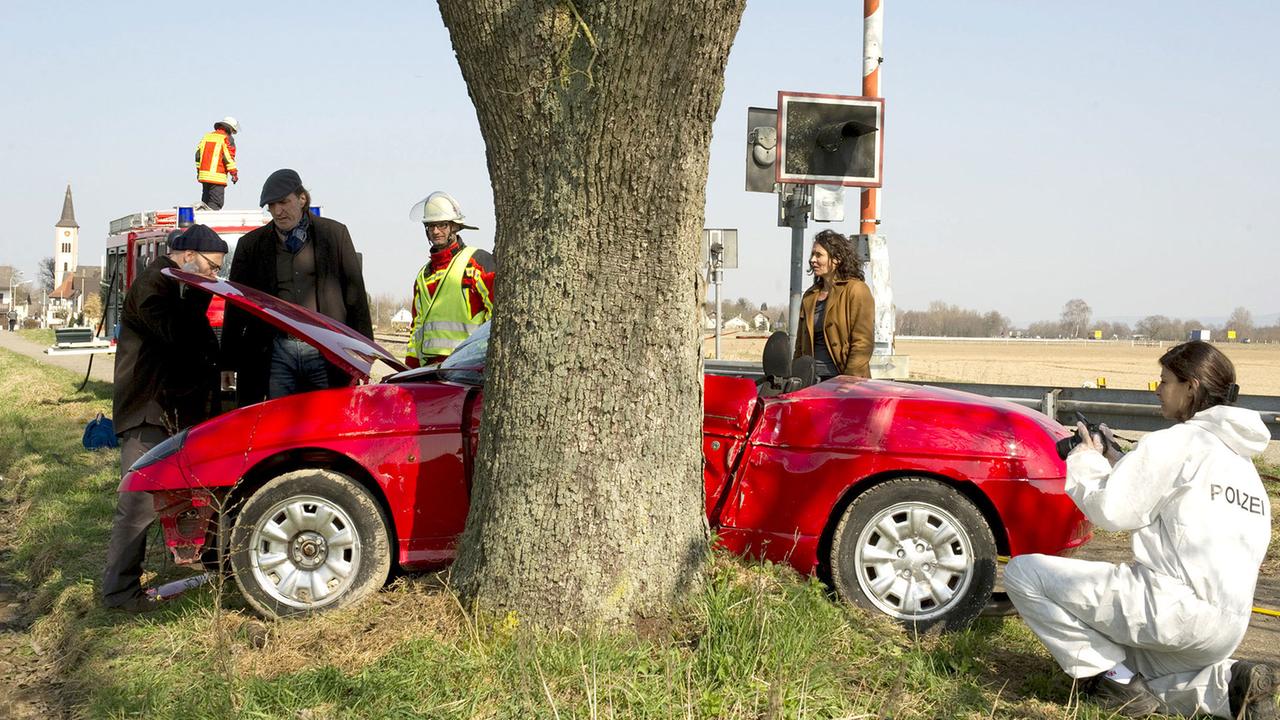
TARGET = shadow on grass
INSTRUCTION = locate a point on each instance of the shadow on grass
(94, 390)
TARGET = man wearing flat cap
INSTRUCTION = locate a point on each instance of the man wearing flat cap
(166, 380)
(309, 261)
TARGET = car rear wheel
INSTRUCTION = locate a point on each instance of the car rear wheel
(916, 550)
(308, 541)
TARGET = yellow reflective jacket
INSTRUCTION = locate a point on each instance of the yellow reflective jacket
(441, 321)
(215, 158)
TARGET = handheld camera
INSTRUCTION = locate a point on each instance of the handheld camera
(1067, 444)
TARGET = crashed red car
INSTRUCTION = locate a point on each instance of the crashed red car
(901, 496)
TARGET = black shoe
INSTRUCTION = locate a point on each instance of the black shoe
(137, 605)
(1132, 700)
(1252, 691)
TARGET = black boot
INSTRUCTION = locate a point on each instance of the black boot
(1252, 691)
(1132, 700)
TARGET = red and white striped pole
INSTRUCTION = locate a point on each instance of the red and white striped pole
(872, 32)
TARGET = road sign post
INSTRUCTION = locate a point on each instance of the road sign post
(719, 251)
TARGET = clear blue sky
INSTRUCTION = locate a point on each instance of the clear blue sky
(1125, 153)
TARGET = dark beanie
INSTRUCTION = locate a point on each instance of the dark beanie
(200, 238)
(279, 185)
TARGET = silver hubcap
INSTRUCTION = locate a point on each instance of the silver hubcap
(305, 552)
(913, 561)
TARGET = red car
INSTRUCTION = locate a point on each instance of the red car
(901, 496)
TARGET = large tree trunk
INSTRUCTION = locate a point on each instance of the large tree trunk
(587, 502)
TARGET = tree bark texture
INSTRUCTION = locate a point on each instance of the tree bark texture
(587, 503)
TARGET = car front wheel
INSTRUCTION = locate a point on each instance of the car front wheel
(308, 541)
(916, 550)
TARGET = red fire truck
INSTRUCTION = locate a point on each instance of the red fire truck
(137, 239)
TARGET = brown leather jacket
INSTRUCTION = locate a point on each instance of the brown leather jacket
(848, 325)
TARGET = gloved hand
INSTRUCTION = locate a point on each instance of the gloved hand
(1103, 442)
(235, 177)
(1109, 445)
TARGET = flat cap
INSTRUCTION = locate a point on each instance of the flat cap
(279, 185)
(200, 238)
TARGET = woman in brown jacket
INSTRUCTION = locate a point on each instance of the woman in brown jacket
(837, 314)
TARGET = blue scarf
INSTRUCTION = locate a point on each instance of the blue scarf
(297, 237)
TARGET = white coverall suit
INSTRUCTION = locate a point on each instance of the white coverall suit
(1201, 523)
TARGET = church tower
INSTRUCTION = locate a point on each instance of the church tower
(66, 241)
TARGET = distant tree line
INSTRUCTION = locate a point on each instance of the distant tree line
(1075, 321)
(945, 320)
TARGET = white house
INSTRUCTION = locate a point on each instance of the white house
(402, 318)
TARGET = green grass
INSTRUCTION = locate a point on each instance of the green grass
(1267, 470)
(756, 642)
(43, 336)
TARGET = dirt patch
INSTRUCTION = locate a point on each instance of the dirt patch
(415, 606)
(28, 683)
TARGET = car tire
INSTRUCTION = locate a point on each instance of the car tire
(309, 541)
(917, 550)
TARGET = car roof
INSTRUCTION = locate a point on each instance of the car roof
(352, 352)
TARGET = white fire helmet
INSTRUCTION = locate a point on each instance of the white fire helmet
(230, 123)
(438, 207)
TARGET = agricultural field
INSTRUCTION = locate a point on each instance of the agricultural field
(1030, 362)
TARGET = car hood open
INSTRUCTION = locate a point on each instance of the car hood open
(352, 352)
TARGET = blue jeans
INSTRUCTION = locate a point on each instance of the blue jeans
(295, 367)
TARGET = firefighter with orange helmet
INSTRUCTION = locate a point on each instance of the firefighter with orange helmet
(216, 162)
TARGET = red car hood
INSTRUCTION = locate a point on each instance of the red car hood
(344, 347)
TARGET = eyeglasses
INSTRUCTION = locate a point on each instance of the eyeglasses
(213, 266)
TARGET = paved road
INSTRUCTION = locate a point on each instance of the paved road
(103, 363)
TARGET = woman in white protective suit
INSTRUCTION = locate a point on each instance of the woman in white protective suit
(1156, 634)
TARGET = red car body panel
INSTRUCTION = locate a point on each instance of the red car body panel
(777, 474)
(407, 439)
(354, 353)
(811, 448)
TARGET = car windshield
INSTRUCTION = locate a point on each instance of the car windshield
(466, 363)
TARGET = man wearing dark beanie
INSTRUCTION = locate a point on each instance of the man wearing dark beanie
(166, 380)
(307, 260)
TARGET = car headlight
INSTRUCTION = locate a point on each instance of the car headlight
(167, 447)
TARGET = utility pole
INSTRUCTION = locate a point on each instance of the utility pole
(715, 268)
(797, 213)
(872, 33)
(872, 247)
(14, 284)
(720, 251)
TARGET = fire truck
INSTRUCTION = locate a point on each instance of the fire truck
(135, 240)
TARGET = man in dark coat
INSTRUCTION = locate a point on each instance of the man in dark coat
(165, 381)
(309, 261)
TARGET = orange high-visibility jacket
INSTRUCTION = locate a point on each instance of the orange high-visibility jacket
(215, 157)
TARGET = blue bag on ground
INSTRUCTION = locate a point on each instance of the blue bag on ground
(100, 433)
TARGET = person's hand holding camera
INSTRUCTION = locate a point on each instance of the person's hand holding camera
(1103, 441)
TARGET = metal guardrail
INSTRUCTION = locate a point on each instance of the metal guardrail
(1135, 410)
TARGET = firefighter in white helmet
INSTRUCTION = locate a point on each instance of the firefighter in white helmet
(216, 162)
(453, 292)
